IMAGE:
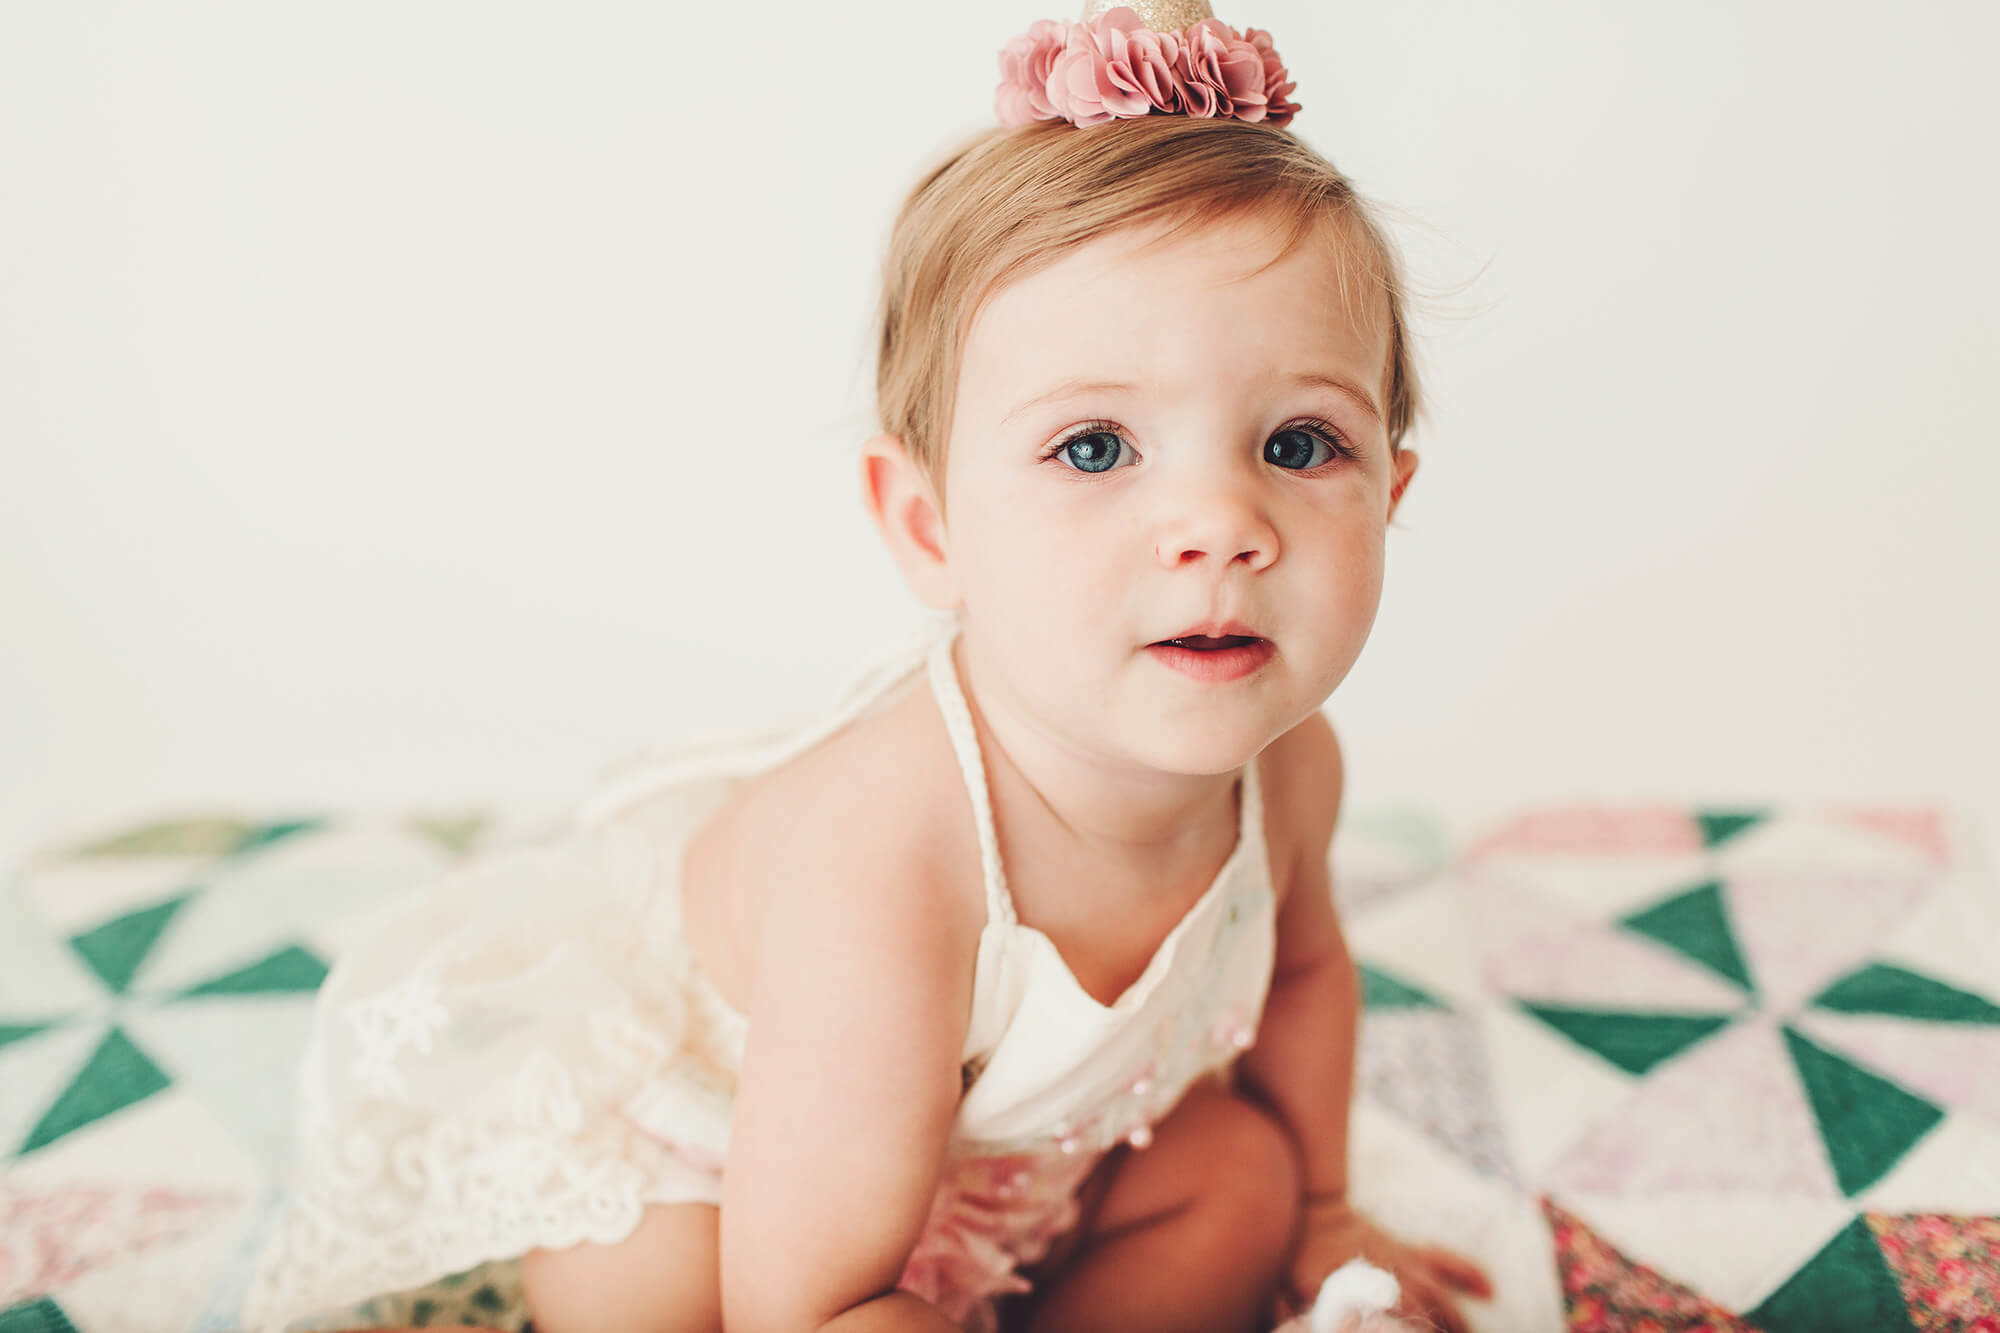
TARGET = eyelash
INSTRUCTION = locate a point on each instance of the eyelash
(1327, 433)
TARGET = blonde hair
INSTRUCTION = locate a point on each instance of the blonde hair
(1009, 202)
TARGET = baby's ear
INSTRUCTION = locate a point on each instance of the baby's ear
(905, 508)
(1406, 468)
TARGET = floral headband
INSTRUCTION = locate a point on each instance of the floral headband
(1149, 57)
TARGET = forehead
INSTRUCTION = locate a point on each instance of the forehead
(1211, 304)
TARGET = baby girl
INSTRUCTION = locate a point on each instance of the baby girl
(1011, 995)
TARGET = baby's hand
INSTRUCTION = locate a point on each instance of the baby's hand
(1335, 1233)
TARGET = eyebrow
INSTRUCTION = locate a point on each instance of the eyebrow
(1071, 387)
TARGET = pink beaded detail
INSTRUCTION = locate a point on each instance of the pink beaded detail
(1233, 1031)
(1114, 67)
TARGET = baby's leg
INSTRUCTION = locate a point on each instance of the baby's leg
(1192, 1233)
(663, 1278)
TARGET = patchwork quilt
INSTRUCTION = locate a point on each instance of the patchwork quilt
(1655, 1067)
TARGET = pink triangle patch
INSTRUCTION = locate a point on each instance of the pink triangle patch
(1799, 929)
(1948, 1267)
(1605, 1292)
(50, 1238)
(1923, 829)
(1728, 1115)
(1592, 830)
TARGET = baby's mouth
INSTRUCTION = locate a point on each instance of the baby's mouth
(1201, 643)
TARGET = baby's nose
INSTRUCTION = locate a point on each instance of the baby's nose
(1215, 540)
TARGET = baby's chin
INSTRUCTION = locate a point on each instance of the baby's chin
(1171, 746)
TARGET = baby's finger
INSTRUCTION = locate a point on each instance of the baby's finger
(1458, 1271)
(1433, 1305)
(1425, 1307)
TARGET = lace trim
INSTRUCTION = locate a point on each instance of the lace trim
(395, 1195)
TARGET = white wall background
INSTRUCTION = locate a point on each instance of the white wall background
(431, 402)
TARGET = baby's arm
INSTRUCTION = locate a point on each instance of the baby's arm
(1303, 1063)
(848, 1088)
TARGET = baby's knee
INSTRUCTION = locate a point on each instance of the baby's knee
(1255, 1176)
(663, 1278)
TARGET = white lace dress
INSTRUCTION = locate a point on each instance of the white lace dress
(523, 1054)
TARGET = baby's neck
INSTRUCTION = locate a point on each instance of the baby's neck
(1047, 793)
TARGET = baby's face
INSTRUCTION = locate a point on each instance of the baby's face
(1139, 445)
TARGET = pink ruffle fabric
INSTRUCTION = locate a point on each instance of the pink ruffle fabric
(991, 1215)
(1114, 66)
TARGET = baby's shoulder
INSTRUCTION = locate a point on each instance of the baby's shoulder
(1300, 776)
(880, 802)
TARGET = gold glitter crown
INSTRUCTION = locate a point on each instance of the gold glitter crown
(1159, 15)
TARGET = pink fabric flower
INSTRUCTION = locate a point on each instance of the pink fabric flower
(1153, 59)
(1093, 79)
(1223, 73)
(1114, 66)
(1022, 96)
(1277, 109)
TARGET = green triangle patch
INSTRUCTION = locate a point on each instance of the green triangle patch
(1718, 826)
(116, 1075)
(265, 834)
(1867, 1122)
(1379, 990)
(291, 969)
(37, 1316)
(13, 1032)
(1845, 1288)
(115, 949)
(1696, 924)
(1633, 1042)
(1882, 989)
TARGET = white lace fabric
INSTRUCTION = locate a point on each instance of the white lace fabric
(457, 1096)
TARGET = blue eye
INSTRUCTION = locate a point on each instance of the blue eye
(1093, 448)
(1311, 432)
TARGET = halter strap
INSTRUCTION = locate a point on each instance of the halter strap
(971, 766)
